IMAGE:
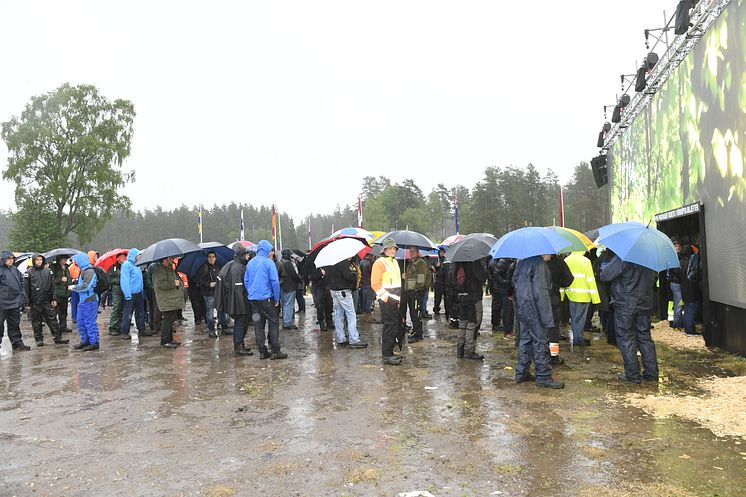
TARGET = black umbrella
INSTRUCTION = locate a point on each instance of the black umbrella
(406, 239)
(53, 254)
(172, 247)
(471, 248)
(592, 235)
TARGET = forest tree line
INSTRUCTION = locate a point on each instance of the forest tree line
(503, 200)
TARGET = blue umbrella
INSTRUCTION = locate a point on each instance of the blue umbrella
(641, 245)
(528, 242)
(171, 247)
(193, 261)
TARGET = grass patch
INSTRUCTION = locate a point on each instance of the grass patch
(362, 475)
(220, 491)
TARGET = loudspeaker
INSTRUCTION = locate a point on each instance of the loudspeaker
(640, 81)
(600, 170)
(616, 116)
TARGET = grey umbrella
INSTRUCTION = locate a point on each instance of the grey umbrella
(53, 254)
(171, 247)
(471, 248)
(406, 239)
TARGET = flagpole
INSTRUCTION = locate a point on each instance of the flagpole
(309, 233)
(455, 204)
(199, 223)
(274, 227)
(561, 209)
(279, 230)
(242, 230)
(359, 212)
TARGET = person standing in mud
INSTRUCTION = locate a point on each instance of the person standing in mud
(41, 300)
(61, 280)
(385, 279)
(470, 279)
(230, 298)
(169, 291)
(12, 299)
(262, 284)
(87, 311)
(531, 283)
(417, 280)
(631, 288)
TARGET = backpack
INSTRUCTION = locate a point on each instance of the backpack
(460, 277)
(102, 281)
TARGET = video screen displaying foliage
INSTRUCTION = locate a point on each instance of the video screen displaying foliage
(688, 146)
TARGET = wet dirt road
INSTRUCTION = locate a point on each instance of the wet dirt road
(138, 420)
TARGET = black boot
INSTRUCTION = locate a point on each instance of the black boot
(556, 360)
(81, 346)
(242, 352)
(61, 341)
(278, 355)
(474, 356)
(264, 354)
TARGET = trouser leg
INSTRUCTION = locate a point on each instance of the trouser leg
(647, 347)
(300, 298)
(128, 309)
(62, 313)
(49, 315)
(415, 313)
(36, 322)
(626, 340)
(139, 311)
(74, 302)
(578, 312)
(496, 309)
(117, 304)
(438, 298)
(525, 352)
(507, 314)
(390, 318)
(167, 319)
(348, 305)
(541, 353)
(88, 317)
(210, 312)
(240, 326)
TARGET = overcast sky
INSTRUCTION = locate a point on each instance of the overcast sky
(293, 102)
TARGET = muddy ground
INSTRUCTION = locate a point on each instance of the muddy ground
(139, 420)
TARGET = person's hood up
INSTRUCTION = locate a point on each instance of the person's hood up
(287, 254)
(83, 260)
(43, 260)
(4, 256)
(132, 255)
(91, 257)
(238, 252)
(264, 248)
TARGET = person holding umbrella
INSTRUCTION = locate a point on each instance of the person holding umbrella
(230, 298)
(208, 281)
(262, 284)
(385, 280)
(631, 287)
(417, 281)
(342, 281)
(12, 298)
(169, 291)
(42, 301)
(61, 281)
(532, 281)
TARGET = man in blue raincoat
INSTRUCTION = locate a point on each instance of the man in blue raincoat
(531, 281)
(131, 283)
(631, 289)
(262, 284)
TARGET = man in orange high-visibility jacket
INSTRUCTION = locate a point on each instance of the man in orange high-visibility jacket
(385, 279)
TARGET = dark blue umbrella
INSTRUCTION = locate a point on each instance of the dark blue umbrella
(53, 254)
(641, 245)
(172, 247)
(528, 242)
(191, 262)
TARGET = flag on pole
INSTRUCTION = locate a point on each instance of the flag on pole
(455, 206)
(561, 209)
(199, 223)
(274, 226)
(359, 212)
(279, 231)
(242, 231)
(308, 226)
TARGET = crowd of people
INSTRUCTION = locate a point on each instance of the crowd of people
(531, 298)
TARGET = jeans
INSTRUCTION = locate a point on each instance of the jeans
(137, 305)
(209, 314)
(633, 334)
(344, 306)
(265, 312)
(578, 313)
(288, 307)
(691, 309)
(677, 310)
(87, 321)
(366, 299)
(240, 325)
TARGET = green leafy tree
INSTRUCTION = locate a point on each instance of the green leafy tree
(35, 228)
(68, 146)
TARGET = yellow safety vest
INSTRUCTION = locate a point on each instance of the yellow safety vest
(583, 288)
(390, 279)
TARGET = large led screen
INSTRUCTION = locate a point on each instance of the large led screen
(688, 146)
